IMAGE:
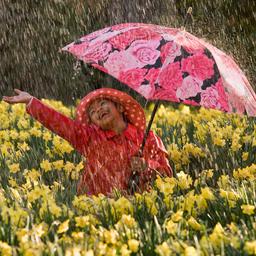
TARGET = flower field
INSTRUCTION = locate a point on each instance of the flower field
(207, 208)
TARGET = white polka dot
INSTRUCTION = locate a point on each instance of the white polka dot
(87, 100)
(138, 118)
(136, 124)
(115, 92)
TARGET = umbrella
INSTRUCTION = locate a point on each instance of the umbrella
(168, 64)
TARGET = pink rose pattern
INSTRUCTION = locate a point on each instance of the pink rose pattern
(133, 77)
(170, 49)
(123, 40)
(190, 87)
(144, 52)
(171, 76)
(199, 66)
(152, 75)
(158, 62)
(97, 52)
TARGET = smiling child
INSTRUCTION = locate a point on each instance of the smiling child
(108, 131)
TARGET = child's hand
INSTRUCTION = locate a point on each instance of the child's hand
(138, 164)
(22, 97)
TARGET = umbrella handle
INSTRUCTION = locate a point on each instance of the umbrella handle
(133, 183)
(148, 128)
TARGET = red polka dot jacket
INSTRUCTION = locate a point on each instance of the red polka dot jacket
(107, 154)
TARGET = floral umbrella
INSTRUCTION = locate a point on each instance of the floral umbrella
(169, 64)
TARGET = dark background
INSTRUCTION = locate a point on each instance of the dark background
(33, 31)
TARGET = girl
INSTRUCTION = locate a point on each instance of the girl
(108, 131)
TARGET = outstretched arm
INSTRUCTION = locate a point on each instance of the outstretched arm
(58, 123)
(21, 97)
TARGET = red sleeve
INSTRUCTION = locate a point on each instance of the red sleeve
(156, 157)
(68, 129)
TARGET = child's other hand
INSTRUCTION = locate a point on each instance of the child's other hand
(21, 97)
(138, 164)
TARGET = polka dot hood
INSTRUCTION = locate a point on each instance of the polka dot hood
(132, 109)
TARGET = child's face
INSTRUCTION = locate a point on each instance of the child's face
(105, 113)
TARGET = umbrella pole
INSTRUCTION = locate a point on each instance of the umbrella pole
(149, 126)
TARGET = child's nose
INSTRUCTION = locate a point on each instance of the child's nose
(99, 108)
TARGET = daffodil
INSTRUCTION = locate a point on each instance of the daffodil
(23, 146)
(111, 251)
(171, 227)
(207, 193)
(245, 156)
(189, 201)
(63, 227)
(82, 221)
(191, 251)
(123, 206)
(125, 251)
(35, 132)
(248, 209)
(128, 221)
(133, 245)
(5, 249)
(166, 186)
(163, 249)
(76, 251)
(58, 165)
(69, 167)
(47, 136)
(78, 236)
(110, 236)
(24, 135)
(176, 217)
(33, 174)
(250, 247)
(66, 148)
(46, 165)
(218, 237)
(223, 181)
(184, 181)
(14, 168)
(150, 200)
(194, 224)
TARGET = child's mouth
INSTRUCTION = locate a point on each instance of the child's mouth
(102, 115)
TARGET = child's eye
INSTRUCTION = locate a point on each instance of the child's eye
(102, 102)
(91, 112)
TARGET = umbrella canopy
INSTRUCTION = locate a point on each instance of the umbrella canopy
(169, 64)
